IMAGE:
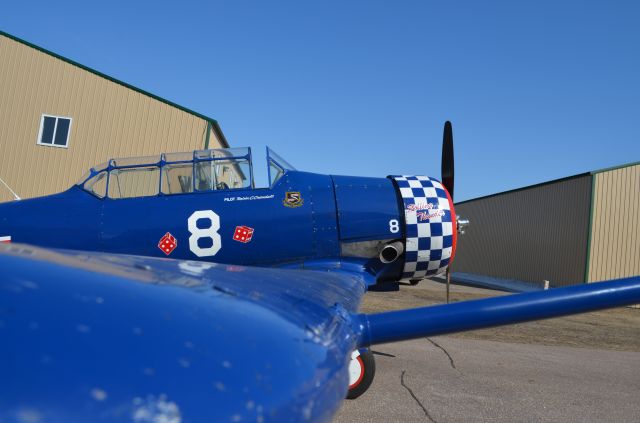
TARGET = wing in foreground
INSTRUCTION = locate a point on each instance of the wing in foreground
(95, 337)
(91, 337)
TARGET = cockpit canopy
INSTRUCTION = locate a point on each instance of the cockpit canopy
(179, 173)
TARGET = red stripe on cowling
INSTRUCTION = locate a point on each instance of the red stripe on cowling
(454, 222)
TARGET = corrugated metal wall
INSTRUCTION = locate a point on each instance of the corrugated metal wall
(615, 224)
(109, 120)
(534, 234)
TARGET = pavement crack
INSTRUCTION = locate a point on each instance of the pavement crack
(435, 344)
(426, 412)
(382, 353)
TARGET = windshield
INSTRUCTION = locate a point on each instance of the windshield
(277, 166)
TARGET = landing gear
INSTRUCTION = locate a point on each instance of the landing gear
(362, 369)
(414, 282)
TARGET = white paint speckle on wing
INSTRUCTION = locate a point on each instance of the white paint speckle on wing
(155, 410)
(28, 415)
(98, 394)
(83, 328)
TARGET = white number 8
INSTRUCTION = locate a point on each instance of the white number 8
(394, 226)
(209, 232)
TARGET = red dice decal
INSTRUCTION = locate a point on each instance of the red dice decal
(243, 234)
(168, 243)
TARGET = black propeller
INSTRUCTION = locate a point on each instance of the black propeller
(447, 169)
(447, 158)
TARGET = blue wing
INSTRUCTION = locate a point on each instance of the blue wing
(95, 337)
(103, 337)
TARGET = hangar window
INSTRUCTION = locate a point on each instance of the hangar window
(54, 131)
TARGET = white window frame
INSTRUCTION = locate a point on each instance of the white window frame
(55, 128)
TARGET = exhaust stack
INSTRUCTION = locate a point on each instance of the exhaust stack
(390, 252)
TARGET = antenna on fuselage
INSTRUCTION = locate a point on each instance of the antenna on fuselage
(10, 190)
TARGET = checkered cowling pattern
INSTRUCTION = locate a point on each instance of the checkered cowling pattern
(429, 226)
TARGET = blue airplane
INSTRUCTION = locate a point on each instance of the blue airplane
(203, 206)
(171, 289)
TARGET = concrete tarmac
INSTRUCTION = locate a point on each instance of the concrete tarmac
(446, 379)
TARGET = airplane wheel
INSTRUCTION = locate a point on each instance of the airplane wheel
(362, 369)
(414, 282)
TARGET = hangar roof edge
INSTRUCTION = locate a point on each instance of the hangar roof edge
(214, 123)
(553, 181)
(511, 191)
(622, 166)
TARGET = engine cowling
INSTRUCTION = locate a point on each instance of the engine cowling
(430, 226)
(408, 223)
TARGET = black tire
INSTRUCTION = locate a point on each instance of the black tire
(414, 282)
(368, 363)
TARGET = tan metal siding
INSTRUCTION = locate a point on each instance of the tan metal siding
(534, 234)
(615, 225)
(109, 120)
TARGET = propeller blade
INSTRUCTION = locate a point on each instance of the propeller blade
(447, 158)
(447, 178)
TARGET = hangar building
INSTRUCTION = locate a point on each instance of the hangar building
(584, 228)
(58, 118)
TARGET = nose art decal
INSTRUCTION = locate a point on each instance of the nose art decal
(429, 226)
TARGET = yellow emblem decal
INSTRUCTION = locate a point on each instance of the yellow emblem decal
(293, 199)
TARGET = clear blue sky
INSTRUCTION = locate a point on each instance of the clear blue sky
(536, 90)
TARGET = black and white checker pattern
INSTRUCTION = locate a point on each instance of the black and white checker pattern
(429, 226)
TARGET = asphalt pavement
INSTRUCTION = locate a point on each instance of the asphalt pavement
(445, 379)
